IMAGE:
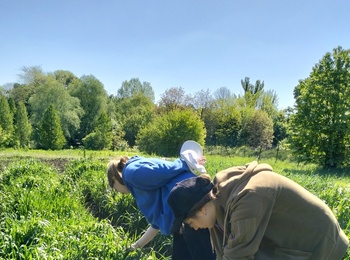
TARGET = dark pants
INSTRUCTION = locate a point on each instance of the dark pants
(192, 245)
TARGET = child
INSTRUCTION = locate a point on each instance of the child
(150, 180)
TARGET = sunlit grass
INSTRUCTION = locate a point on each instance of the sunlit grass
(46, 214)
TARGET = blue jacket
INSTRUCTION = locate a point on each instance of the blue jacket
(150, 181)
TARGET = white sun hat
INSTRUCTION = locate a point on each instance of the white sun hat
(190, 152)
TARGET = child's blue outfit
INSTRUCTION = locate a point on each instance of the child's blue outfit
(150, 181)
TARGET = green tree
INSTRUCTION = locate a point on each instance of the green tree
(221, 118)
(22, 93)
(280, 127)
(93, 99)
(23, 128)
(52, 92)
(320, 128)
(228, 127)
(12, 105)
(174, 98)
(260, 131)
(101, 137)
(6, 121)
(32, 76)
(50, 134)
(65, 77)
(166, 133)
(252, 92)
(134, 114)
(134, 86)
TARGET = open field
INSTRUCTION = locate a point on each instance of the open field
(56, 205)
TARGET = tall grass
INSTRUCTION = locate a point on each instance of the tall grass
(43, 216)
(46, 214)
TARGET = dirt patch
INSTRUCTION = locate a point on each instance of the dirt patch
(58, 163)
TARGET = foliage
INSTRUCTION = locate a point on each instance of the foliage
(68, 108)
(73, 215)
(23, 128)
(174, 98)
(32, 76)
(228, 124)
(222, 119)
(134, 113)
(252, 92)
(260, 130)
(320, 131)
(50, 134)
(93, 99)
(21, 93)
(42, 217)
(64, 77)
(135, 87)
(101, 137)
(6, 122)
(280, 128)
(166, 133)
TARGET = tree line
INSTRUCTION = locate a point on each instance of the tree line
(57, 110)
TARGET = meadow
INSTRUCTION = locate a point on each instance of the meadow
(57, 205)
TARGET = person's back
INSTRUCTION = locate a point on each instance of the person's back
(150, 181)
(268, 216)
(300, 223)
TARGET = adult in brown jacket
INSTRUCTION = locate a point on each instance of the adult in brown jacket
(255, 213)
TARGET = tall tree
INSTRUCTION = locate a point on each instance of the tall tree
(101, 137)
(6, 121)
(174, 98)
(32, 76)
(260, 131)
(68, 108)
(65, 77)
(12, 105)
(23, 128)
(22, 93)
(202, 99)
(268, 102)
(93, 99)
(320, 128)
(228, 127)
(134, 114)
(222, 93)
(50, 134)
(134, 86)
(252, 92)
(253, 89)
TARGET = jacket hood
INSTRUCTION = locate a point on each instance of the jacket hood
(230, 182)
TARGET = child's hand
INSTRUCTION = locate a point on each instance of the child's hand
(201, 160)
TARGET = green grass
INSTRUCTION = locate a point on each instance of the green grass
(47, 214)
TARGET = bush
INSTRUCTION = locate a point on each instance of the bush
(165, 135)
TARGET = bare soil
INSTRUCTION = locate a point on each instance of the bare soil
(58, 163)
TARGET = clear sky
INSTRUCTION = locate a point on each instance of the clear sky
(193, 44)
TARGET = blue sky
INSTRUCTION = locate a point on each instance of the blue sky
(196, 45)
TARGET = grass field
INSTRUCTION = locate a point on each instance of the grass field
(56, 205)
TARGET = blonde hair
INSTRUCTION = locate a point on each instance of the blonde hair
(114, 170)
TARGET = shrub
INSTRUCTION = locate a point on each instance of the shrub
(165, 135)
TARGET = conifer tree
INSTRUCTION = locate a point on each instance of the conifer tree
(23, 128)
(101, 137)
(6, 122)
(50, 134)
